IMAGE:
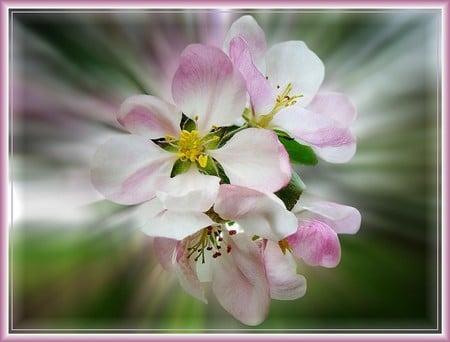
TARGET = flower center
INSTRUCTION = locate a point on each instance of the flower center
(283, 100)
(191, 147)
(209, 240)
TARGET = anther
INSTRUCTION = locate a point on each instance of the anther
(232, 232)
(228, 248)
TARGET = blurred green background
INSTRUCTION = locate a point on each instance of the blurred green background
(79, 262)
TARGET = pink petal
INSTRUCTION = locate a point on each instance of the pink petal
(262, 95)
(316, 243)
(207, 85)
(187, 277)
(292, 62)
(335, 106)
(239, 281)
(164, 249)
(342, 218)
(125, 169)
(255, 158)
(248, 29)
(257, 213)
(189, 191)
(149, 116)
(281, 270)
(327, 137)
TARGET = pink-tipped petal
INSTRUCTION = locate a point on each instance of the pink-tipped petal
(335, 106)
(149, 116)
(262, 94)
(248, 29)
(125, 169)
(187, 277)
(189, 191)
(257, 213)
(207, 85)
(327, 137)
(342, 218)
(293, 62)
(164, 249)
(239, 281)
(255, 158)
(316, 243)
(281, 270)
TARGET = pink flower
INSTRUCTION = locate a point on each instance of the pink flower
(319, 222)
(140, 167)
(282, 83)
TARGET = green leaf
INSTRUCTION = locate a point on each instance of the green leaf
(213, 168)
(291, 192)
(180, 167)
(187, 123)
(298, 153)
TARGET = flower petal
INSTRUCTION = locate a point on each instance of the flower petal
(255, 158)
(262, 94)
(149, 116)
(331, 141)
(207, 85)
(174, 224)
(125, 169)
(316, 243)
(335, 106)
(164, 249)
(189, 191)
(239, 281)
(187, 277)
(281, 270)
(292, 62)
(247, 28)
(257, 213)
(343, 219)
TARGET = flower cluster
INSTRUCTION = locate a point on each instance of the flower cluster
(213, 174)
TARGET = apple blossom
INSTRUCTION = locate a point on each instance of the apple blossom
(282, 83)
(178, 159)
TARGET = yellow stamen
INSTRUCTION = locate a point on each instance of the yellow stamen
(202, 160)
(284, 245)
(190, 145)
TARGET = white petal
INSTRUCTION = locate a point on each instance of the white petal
(292, 62)
(281, 270)
(125, 169)
(189, 191)
(255, 158)
(247, 28)
(149, 116)
(343, 219)
(257, 213)
(175, 225)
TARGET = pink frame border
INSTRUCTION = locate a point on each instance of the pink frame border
(5, 209)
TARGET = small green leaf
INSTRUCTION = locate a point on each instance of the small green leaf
(213, 168)
(187, 123)
(298, 153)
(291, 192)
(180, 167)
